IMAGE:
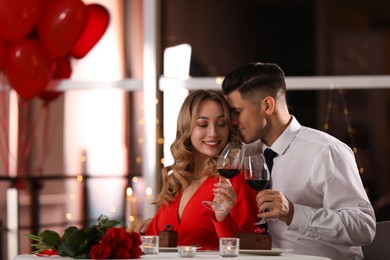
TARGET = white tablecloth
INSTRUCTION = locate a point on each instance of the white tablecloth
(200, 255)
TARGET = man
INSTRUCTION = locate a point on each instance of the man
(317, 201)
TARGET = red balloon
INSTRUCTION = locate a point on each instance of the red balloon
(3, 54)
(61, 69)
(50, 95)
(18, 17)
(98, 19)
(61, 25)
(28, 68)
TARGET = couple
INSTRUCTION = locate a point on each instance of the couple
(317, 197)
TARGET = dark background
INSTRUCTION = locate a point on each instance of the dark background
(305, 38)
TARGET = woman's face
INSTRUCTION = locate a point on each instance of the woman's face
(211, 132)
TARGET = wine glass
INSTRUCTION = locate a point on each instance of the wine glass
(228, 165)
(257, 175)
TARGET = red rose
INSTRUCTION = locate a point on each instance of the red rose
(121, 253)
(136, 238)
(135, 252)
(116, 233)
(100, 251)
(126, 243)
(47, 252)
(111, 243)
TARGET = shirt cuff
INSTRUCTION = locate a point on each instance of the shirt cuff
(301, 218)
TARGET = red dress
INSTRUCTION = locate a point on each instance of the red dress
(198, 225)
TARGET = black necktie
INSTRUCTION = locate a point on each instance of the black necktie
(269, 155)
(269, 158)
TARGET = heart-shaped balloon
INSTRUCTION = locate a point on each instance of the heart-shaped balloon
(61, 25)
(28, 68)
(18, 18)
(3, 54)
(97, 22)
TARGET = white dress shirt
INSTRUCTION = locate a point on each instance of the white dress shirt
(333, 216)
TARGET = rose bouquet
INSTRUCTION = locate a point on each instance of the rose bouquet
(102, 240)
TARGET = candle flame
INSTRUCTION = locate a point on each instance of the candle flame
(129, 192)
(148, 191)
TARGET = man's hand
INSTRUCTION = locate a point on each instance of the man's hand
(274, 204)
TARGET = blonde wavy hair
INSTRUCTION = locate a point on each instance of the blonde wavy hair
(179, 175)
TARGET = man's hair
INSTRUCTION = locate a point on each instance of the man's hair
(256, 80)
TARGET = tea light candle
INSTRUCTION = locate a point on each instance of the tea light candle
(150, 245)
(228, 247)
(187, 251)
(230, 250)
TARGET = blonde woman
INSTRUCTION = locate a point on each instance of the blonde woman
(203, 130)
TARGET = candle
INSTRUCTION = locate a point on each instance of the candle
(187, 251)
(150, 245)
(230, 250)
(12, 223)
(228, 247)
(148, 203)
(139, 197)
(129, 195)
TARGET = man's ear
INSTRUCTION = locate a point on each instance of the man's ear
(269, 105)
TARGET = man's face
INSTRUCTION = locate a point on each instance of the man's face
(247, 117)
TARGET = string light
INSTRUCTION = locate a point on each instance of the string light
(138, 160)
(351, 131)
(160, 140)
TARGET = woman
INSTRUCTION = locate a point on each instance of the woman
(203, 130)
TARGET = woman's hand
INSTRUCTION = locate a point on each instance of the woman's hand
(224, 196)
(142, 226)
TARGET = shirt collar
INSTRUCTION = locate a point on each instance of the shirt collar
(282, 143)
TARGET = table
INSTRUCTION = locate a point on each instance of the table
(200, 255)
(215, 255)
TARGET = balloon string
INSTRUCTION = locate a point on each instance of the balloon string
(49, 134)
(45, 137)
(4, 126)
(23, 110)
(30, 139)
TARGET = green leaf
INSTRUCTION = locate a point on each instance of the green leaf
(32, 237)
(112, 223)
(83, 256)
(62, 250)
(68, 231)
(102, 219)
(75, 241)
(50, 238)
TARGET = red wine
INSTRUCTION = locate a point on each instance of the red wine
(229, 173)
(257, 184)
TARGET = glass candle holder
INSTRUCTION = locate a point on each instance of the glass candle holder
(187, 251)
(229, 247)
(150, 245)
